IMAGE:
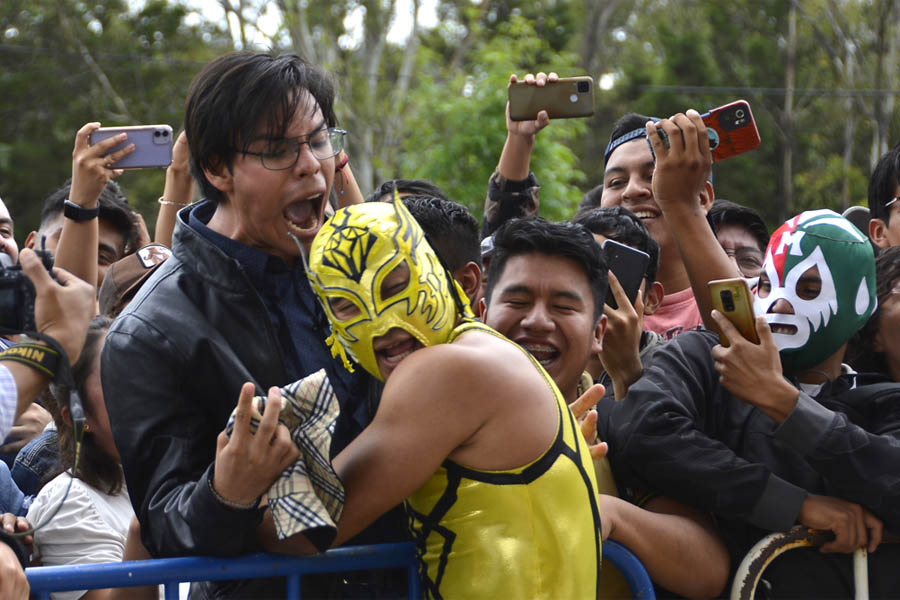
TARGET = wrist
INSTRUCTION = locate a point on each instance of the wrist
(237, 505)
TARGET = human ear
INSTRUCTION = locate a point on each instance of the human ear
(653, 298)
(878, 233)
(31, 240)
(707, 197)
(597, 335)
(220, 176)
(469, 277)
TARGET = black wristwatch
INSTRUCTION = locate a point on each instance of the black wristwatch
(79, 213)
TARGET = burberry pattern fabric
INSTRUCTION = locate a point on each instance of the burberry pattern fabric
(308, 496)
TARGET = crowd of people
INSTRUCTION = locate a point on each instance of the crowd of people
(389, 370)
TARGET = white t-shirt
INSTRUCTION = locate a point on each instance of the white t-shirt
(90, 527)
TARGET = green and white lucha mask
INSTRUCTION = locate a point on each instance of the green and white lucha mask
(821, 245)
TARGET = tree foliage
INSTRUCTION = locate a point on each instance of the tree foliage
(821, 76)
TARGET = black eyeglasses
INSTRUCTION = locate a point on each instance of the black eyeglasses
(282, 154)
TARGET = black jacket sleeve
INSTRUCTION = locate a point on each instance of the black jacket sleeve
(159, 403)
(859, 464)
(672, 434)
(508, 199)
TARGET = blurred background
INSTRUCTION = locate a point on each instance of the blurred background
(422, 85)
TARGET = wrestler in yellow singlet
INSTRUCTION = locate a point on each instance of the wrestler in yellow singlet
(511, 534)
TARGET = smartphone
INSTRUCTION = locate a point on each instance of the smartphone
(629, 264)
(152, 145)
(732, 298)
(567, 97)
(731, 130)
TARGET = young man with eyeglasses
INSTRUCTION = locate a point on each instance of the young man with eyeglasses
(232, 304)
(884, 193)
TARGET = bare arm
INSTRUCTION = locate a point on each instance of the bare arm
(77, 249)
(177, 194)
(683, 192)
(410, 437)
(679, 546)
(515, 159)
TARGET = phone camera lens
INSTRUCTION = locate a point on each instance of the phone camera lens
(739, 113)
(727, 300)
(155, 134)
(584, 87)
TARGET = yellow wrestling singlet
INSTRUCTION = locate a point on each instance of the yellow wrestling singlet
(530, 532)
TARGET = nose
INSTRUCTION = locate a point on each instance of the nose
(782, 307)
(636, 189)
(537, 319)
(307, 163)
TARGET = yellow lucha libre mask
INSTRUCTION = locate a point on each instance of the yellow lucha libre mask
(349, 260)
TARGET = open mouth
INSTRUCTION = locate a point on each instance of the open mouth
(543, 353)
(303, 216)
(646, 214)
(391, 355)
(783, 329)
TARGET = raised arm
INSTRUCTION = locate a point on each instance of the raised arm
(681, 188)
(178, 192)
(77, 248)
(512, 189)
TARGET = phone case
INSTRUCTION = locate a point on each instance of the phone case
(732, 298)
(564, 98)
(152, 145)
(629, 264)
(732, 130)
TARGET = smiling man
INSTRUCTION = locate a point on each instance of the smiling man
(769, 435)
(490, 518)
(232, 303)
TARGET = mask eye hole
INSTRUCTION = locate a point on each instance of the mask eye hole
(809, 286)
(395, 282)
(343, 308)
(764, 286)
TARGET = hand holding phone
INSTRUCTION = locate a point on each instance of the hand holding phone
(731, 130)
(732, 298)
(629, 264)
(564, 98)
(152, 145)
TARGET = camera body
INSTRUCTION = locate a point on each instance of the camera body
(152, 145)
(17, 297)
(564, 98)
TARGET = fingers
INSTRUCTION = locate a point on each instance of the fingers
(875, 530)
(589, 427)
(242, 414)
(513, 78)
(34, 269)
(700, 126)
(725, 326)
(269, 419)
(764, 332)
(618, 292)
(82, 137)
(587, 400)
(599, 450)
(654, 134)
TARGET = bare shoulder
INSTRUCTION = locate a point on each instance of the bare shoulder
(476, 364)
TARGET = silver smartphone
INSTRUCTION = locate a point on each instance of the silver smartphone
(152, 145)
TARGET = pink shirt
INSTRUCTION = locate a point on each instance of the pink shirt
(677, 313)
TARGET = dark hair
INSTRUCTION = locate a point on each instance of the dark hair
(621, 225)
(95, 467)
(860, 353)
(567, 240)
(411, 187)
(451, 229)
(724, 212)
(114, 209)
(628, 122)
(241, 95)
(883, 184)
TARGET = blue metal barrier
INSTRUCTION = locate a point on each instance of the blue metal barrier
(172, 571)
(631, 568)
